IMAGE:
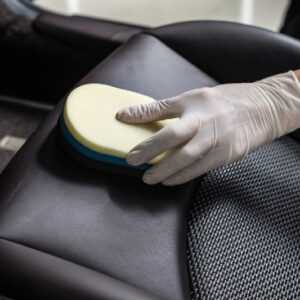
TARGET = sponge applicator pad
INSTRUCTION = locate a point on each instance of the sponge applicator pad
(90, 128)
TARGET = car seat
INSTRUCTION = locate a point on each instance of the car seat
(69, 232)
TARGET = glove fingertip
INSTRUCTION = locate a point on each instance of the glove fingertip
(124, 115)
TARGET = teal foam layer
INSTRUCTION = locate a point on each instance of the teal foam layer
(94, 154)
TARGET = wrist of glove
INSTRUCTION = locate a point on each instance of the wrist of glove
(216, 126)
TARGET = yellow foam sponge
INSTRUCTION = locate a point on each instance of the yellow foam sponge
(90, 124)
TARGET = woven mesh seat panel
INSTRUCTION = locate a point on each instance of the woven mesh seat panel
(244, 230)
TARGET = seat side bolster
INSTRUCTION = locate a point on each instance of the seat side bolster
(30, 267)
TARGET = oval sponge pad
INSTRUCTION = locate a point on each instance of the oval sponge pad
(89, 124)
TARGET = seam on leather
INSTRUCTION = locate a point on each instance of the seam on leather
(61, 257)
(117, 280)
(221, 23)
(116, 35)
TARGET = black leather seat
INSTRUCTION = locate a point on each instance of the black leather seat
(67, 232)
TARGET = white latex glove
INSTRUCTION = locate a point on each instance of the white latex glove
(217, 126)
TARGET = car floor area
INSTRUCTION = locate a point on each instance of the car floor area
(17, 123)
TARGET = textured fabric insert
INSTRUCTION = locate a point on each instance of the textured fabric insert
(244, 231)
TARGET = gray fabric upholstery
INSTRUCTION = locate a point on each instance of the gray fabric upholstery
(244, 232)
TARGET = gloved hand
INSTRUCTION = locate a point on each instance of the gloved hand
(217, 126)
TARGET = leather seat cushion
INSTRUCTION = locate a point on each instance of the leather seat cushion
(113, 225)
